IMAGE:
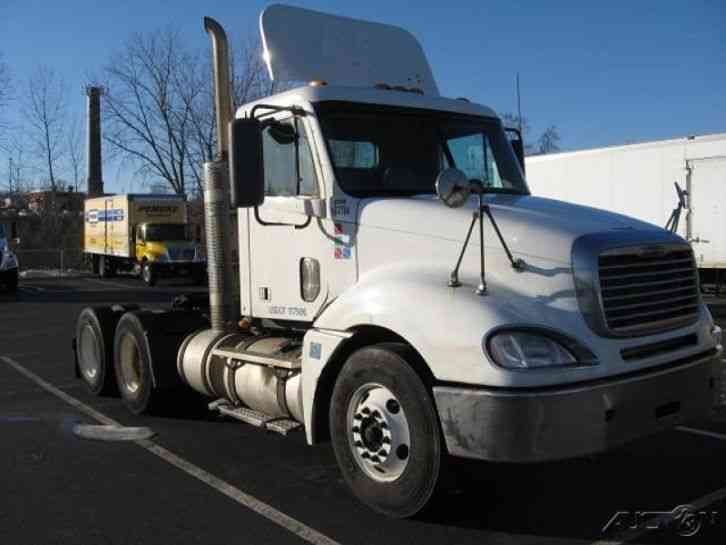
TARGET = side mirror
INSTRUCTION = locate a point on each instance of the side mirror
(517, 142)
(246, 168)
(453, 187)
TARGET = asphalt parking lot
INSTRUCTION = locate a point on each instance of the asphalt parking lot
(205, 479)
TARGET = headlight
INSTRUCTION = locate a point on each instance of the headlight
(532, 349)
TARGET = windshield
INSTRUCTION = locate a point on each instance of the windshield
(161, 232)
(379, 150)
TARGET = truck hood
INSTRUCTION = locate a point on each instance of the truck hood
(532, 226)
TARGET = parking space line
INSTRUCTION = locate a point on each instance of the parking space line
(705, 433)
(261, 508)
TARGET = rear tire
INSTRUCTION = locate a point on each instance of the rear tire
(148, 275)
(132, 365)
(385, 431)
(94, 348)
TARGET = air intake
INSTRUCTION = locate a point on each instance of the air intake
(646, 289)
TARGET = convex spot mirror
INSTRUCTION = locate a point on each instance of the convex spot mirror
(452, 187)
(247, 180)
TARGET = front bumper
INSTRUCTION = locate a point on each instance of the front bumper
(556, 423)
(179, 268)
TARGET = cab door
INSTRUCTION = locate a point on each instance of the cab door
(290, 250)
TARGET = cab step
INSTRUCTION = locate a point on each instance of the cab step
(277, 424)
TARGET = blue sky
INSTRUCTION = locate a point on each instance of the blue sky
(603, 72)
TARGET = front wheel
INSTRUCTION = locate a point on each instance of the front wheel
(385, 431)
(148, 274)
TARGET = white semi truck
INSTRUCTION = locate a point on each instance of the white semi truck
(381, 278)
(8, 258)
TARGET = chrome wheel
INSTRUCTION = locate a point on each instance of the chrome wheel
(130, 360)
(378, 432)
(89, 355)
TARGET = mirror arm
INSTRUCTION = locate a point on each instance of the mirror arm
(454, 276)
(517, 263)
(478, 215)
(295, 110)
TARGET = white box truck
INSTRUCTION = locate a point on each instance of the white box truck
(638, 180)
(146, 233)
(400, 292)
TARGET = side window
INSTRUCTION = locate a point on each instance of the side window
(289, 169)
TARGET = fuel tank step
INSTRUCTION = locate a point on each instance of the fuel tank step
(280, 425)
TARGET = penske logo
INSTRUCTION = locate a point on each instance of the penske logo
(100, 216)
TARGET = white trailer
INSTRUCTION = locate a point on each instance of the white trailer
(637, 180)
(391, 285)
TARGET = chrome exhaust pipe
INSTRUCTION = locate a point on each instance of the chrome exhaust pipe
(221, 234)
(222, 87)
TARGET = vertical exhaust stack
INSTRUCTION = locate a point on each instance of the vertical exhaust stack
(223, 291)
(93, 135)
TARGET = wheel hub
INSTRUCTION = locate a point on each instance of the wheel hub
(378, 432)
(89, 359)
(130, 359)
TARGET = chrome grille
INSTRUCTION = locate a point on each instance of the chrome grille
(646, 289)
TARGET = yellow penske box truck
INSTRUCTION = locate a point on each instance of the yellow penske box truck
(145, 233)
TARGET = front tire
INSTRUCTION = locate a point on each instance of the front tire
(385, 431)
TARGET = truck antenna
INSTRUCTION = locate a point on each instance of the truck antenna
(519, 106)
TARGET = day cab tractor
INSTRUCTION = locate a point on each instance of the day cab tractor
(380, 277)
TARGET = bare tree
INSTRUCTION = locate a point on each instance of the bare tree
(145, 117)
(159, 108)
(5, 95)
(46, 115)
(74, 149)
(549, 140)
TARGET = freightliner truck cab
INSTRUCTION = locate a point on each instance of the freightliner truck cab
(402, 293)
